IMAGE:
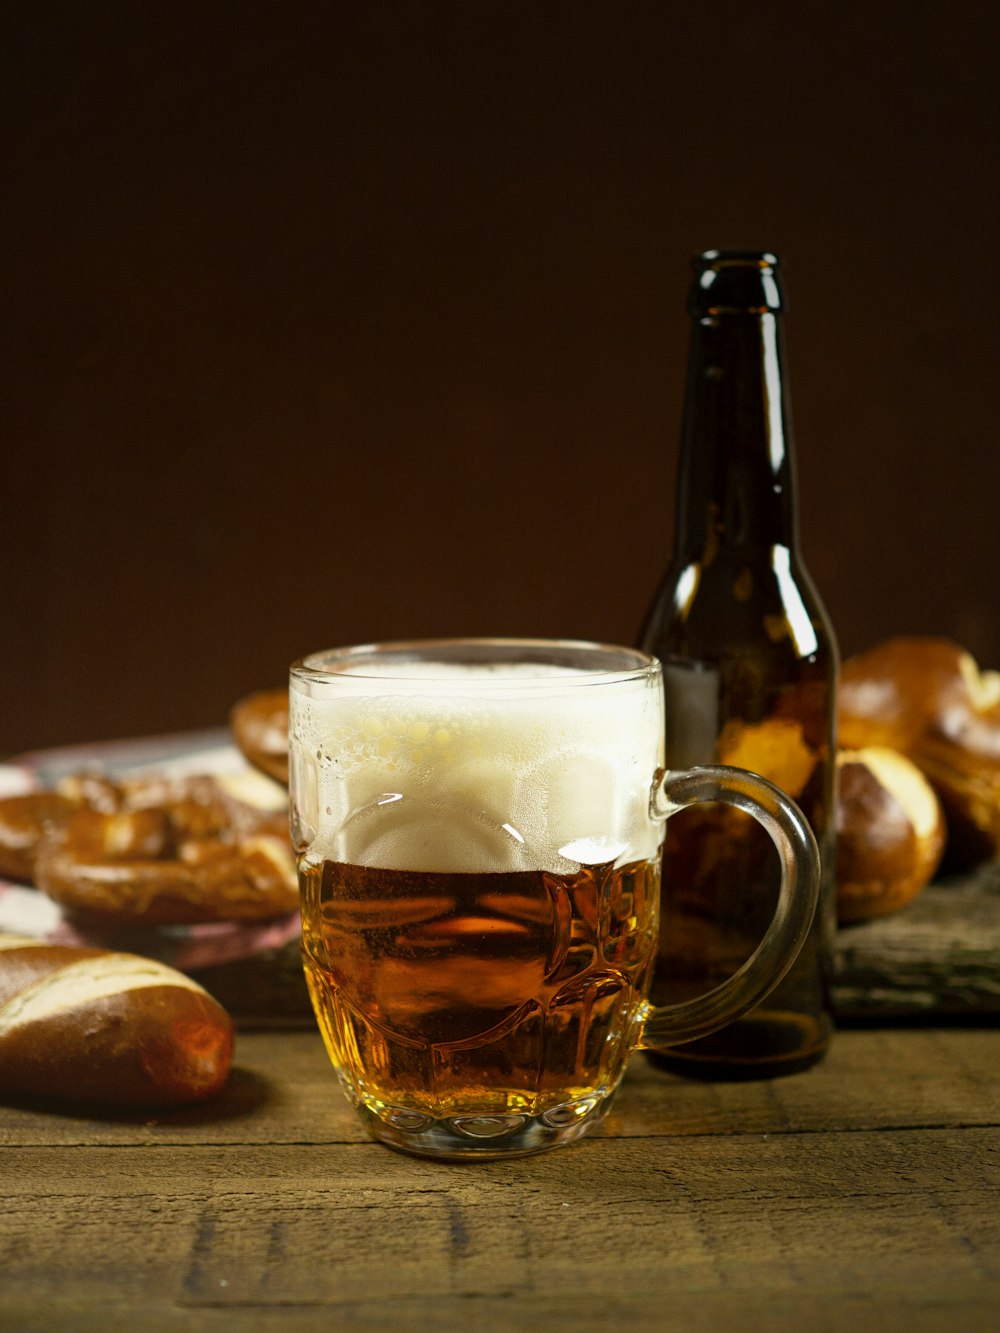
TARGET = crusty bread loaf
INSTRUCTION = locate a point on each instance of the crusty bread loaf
(98, 1026)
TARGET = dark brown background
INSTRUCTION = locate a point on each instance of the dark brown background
(327, 323)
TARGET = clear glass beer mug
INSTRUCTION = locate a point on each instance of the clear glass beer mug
(478, 828)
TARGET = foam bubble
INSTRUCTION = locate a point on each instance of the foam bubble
(475, 769)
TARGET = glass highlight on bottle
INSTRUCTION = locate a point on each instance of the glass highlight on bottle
(478, 826)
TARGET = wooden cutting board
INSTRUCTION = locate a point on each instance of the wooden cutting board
(938, 958)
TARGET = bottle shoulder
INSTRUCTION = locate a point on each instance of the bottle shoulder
(762, 604)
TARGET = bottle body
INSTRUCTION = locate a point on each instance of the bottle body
(750, 672)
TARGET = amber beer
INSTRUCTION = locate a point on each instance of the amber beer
(479, 994)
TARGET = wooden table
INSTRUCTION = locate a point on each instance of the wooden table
(863, 1194)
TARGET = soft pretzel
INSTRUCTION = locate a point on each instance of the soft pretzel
(151, 851)
(25, 823)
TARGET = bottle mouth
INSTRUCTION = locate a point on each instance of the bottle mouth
(719, 259)
(736, 282)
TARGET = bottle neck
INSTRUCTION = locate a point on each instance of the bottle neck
(736, 484)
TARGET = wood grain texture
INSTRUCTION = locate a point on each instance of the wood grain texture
(939, 956)
(866, 1190)
(282, 1091)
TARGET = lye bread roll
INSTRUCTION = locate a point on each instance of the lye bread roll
(98, 1026)
(890, 833)
(259, 724)
(928, 699)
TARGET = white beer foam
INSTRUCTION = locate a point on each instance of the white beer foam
(468, 775)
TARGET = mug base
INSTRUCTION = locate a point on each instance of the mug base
(461, 1138)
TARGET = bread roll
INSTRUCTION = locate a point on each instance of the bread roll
(890, 833)
(259, 725)
(97, 1026)
(927, 698)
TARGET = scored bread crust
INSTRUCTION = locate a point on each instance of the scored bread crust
(100, 1026)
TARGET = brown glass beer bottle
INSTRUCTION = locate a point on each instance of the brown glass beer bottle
(750, 669)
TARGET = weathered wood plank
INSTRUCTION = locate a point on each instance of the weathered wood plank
(375, 1237)
(283, 1091)
(939, 956)
(867, 1190)
(973, 1309)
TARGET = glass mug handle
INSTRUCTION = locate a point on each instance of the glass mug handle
(798, 895)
